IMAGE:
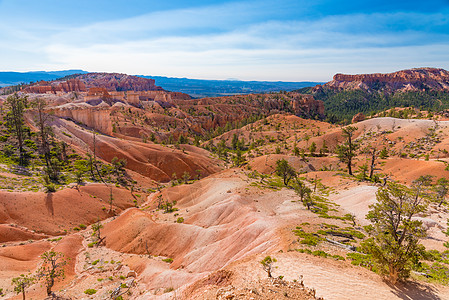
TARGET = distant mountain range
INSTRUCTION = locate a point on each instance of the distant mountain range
(199, 88)
(196, 88)
(13, 78)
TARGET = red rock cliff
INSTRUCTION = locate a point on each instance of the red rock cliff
(405, 80)
(42, 87)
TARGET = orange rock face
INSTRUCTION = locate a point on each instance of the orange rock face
(43, 87)
(72, 85)
(358, 118)
(101, 93)
(306, 103)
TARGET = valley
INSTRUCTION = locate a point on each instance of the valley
(154, 194)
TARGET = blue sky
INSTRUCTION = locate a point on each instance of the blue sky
(289, 40)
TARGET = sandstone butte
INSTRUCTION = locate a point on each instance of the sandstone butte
(405, 80)
(109, 81)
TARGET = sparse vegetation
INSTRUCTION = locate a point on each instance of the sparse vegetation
(90, 291)
(52, 269)
(21, 283)
(268, 265)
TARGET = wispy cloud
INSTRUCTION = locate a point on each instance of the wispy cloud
(247, 40)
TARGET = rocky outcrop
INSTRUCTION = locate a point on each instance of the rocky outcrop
(405, 80)
(44, 87)
(72, 85)
(306, 104)
(118, 82)
(112, 82)
(358, 118)
(98, 118)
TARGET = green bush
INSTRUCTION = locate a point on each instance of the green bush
(180, 220)
(308, 251)
(338, 257)
(90, 291)
(30, 144)
(359, 259)
(437, 272)
(168, 260)
(320, 253)
(50, 188)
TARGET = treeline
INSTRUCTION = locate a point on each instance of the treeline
(341, 106)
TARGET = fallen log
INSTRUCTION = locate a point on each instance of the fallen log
(347, 247)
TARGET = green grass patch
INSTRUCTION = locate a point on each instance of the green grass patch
(307, 238)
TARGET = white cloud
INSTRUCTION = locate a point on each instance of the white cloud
(237, 40)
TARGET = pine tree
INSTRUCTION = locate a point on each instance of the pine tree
(285, 170)
(15, 121)
(346, 151)
(394, 235)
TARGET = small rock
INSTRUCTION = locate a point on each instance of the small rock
(131, 274)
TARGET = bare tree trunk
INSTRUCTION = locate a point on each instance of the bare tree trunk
(373, 163)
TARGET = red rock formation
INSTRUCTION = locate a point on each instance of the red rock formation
(72, 85)
(39, 89)
(42, 87)
(405, 80)
(101, 93)
(306, 104)
(179, 96)
(109, 81)
(358, 118)
(118, 82)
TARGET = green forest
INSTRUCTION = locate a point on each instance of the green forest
(341, 106)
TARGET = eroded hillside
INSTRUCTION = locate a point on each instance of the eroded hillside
(160, 196)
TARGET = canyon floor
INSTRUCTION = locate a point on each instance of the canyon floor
(226, 220)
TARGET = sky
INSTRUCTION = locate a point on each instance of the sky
(273, 40)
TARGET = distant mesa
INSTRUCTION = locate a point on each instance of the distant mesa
(114, 82)
(419, 79)
(118, 82)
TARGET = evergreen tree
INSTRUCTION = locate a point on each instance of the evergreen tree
(312, 149)
(394, 235)
(21, 283)
(15, 121)
(346, 151)
(285, 170)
